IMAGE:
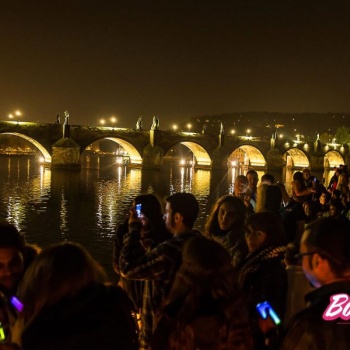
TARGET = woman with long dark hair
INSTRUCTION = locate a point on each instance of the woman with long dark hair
(225, 226)
(67, 305)
(262, 275)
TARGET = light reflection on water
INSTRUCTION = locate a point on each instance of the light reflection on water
(86, 206)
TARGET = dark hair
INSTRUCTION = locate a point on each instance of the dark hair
(212, 224)
(185, 204)
(290, 255)
(330, 238)
(268, 178)
(59, 272)
(269, 198)
(152, 209)
(11, 238)
(206, 276)
(298, 176)
(252, 172)
(270, 223)
(336, 194)
(242, 178)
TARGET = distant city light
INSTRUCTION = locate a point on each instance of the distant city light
(189, 126)
(174, 127)
(233, 131)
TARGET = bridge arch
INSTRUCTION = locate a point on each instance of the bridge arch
(247, 155)
(296, 158)
(39, 146)
(333, 159)
(201, 155)
(134, 155)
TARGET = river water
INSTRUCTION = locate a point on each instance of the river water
(86, 206)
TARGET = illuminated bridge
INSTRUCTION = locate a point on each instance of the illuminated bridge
(147, 148)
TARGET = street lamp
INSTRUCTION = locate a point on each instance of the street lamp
(102, 121)
(174, 127)
(233, 131)
(16, 115)
(189, 126)
(113, 120)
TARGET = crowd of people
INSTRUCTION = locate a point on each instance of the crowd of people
(261, 275)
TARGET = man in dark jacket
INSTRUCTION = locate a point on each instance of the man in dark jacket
(325, 259)
(160, 264)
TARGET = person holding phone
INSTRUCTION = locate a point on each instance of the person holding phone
(146, 219)
(262, 275)
(158, 266)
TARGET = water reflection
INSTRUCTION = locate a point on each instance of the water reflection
(86, 206)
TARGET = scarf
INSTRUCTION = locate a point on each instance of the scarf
(254, 260)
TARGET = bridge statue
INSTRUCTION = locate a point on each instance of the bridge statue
(205, 125)
(155, 123)
(66, 126)
(222, 129)
(139, 123)
(66, 117)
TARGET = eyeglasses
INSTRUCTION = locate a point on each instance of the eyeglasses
(299, 257)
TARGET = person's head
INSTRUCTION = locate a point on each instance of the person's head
(206, 277)
(264, 229)
(268, 179)
(309, 209)
(324, 198)
(325, 251)
(240, 186)
(12, 250)
(298, 176)
(151, 213)
(290, 256)
(269, 197)
(227, 212)
(335, 208)
(336, 194)
(206, 270)
(59, 271)
(253, 179)
(306, 174)
(181, 212)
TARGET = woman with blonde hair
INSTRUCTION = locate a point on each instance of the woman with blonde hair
(67, 305)
(204, 309)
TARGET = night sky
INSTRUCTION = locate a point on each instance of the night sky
(173, 59)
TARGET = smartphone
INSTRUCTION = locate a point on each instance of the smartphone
(16, 303)
(138, 209)
(266, 309)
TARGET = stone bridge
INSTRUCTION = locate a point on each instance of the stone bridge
(62, 145)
